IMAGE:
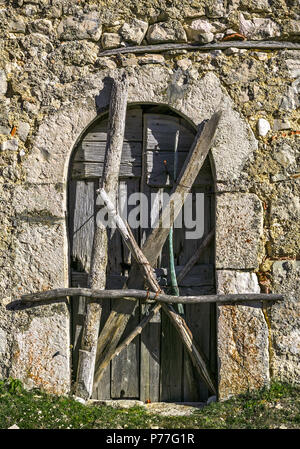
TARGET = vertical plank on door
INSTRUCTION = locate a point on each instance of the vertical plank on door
(81, 204)
(198, 316)
(150, 336)
(171, 363)
(125, 368)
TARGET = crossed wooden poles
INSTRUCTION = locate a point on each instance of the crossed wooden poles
(97, 351)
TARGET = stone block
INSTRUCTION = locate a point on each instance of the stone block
(42, 26)
(234, 145)
(215, 9)
(239, 228)
(39, 200)
(259, 28)
(263, 127)
(3, 342)
(78, 53)
(40, 261)
(293, 66)
(39, 336)
(3, 82)
(242, 337)
(151, 59)
(87, 26)
(10, 145)
(294, 27)
(197, 29)
(285, 220)
(48, 160)
(23, 130)
(42, 167)
(110, 40)
(290, 100)
(134, 32)
(17, 25)
(171, 31)
(41, 350)
(284, 318)
(256, 5)
(279, 125)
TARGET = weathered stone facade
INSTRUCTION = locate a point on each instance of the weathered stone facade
(52, 86)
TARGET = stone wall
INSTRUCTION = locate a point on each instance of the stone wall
(51, 88)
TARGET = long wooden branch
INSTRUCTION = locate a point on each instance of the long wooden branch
(261, 45)
(104, 357)
(146, 296)
(109, 181)
(120, 314)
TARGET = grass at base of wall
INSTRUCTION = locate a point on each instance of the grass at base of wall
(277, 407)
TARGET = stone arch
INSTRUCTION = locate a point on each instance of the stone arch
(82, 185)
(237, 213)
(234, 145)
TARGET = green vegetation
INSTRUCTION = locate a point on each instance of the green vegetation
(278, 407)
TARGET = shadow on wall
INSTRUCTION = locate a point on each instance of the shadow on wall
(103, 99)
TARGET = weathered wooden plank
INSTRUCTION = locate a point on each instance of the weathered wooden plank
(113, 281)
(189, 269)
(171, 363)
(126, 366)
(198, 319)
(79, 279)
(197, 291)
(127, 187)
(161, 132)
(101, 389)
(83, 224)
(95, 152)
(133, 130)
(150, 357)
(160, 166)
(262, 45)
(213, 339)
(92, 170)
(191, 388)
(81, 198)
(198, 316)
(151, 334)
(198, 276)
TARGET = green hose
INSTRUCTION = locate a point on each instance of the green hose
(174, 285)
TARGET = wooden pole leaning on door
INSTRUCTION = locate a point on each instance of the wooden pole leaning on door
(119, 316)
(97, 279)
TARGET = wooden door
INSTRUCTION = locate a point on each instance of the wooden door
(154, 366)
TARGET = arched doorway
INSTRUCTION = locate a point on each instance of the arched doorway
(154, 366)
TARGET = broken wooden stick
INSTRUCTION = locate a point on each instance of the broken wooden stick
(145, 295)
(120, 314)
(109, 181)
(102, 359)
(222, 45)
